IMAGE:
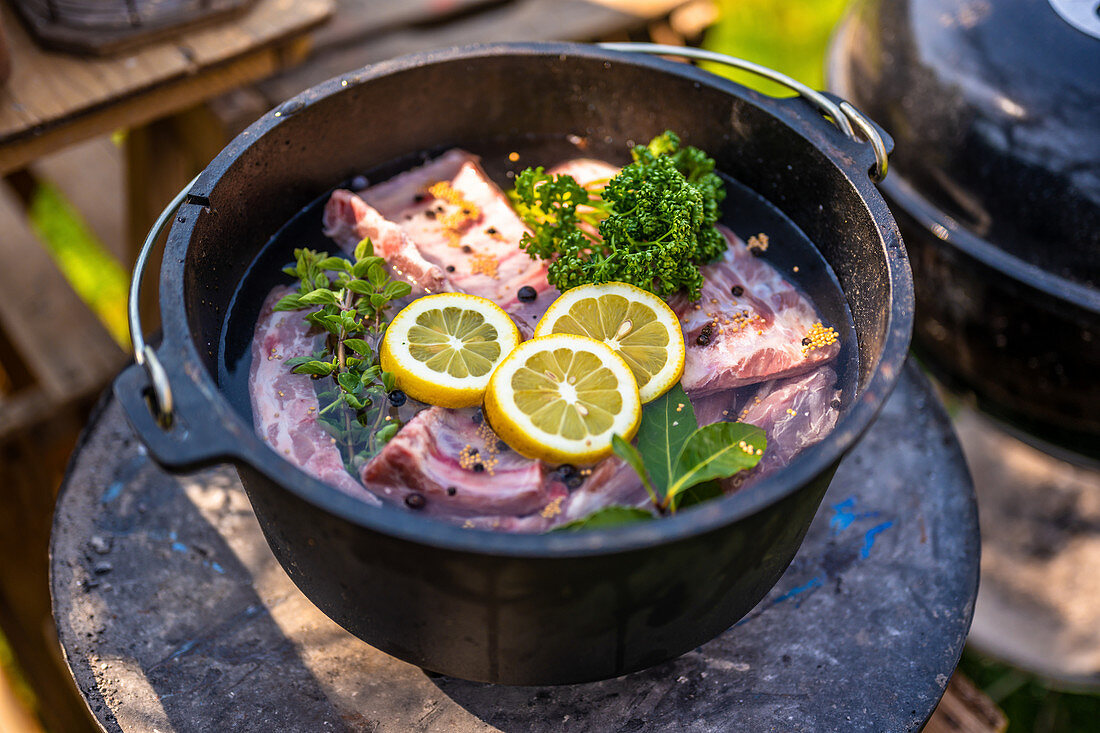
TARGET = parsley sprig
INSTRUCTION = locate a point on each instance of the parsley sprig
(348, 300)
(652, 225)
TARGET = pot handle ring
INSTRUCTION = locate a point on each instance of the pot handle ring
(842, 114)
(144, 355)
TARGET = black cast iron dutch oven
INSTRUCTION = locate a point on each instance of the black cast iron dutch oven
(995, 107)
(517, 609)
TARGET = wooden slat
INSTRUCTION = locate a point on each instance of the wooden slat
(966, 709)
(69, 353)
(32, 463)
(355, 20)
(53, 99)
(522, 20)
(90, 174)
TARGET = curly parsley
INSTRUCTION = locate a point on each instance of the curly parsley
(652, 225)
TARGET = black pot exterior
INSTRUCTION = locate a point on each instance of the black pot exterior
(532, 620)
(996, 187)
(495, 607)
(1024, 343)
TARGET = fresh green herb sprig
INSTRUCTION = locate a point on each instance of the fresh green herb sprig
(679, 462)
(348, 300)
(652, 225)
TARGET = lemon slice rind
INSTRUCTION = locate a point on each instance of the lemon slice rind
(431, 366)
(660, 323)
(618, 414)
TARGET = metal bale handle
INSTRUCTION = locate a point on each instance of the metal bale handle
(843, 115)
(163, 405)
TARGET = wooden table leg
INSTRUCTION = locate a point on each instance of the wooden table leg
(31, 465)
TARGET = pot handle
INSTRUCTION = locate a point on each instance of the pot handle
(842, 114)
(161, 398)
(151, 400)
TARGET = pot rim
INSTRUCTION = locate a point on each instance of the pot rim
(818, 459)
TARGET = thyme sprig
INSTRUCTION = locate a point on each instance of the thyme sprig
(348, 300)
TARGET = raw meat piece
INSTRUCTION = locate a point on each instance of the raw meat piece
(284, 404)
(347, 220)
(716, 406)
(586, 170)
(440, 449)
(469, 226)
(794, 413)
(753, 337)
(611, 482)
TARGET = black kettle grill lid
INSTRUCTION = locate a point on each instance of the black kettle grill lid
(994, 106)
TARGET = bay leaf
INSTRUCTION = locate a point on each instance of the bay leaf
(667, 423)
(717, 451)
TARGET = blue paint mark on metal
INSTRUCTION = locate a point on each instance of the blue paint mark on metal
(815, 582)
(183, 649)
(112, 492)
(179, 547)
(869, 538)
(844, 515)
(123, 475)
(217, 568)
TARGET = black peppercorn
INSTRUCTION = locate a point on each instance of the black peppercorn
(478, 416)
(704, 336)
(806, 341)
(415, 501)
(737, 291)
(479, 467)
(420, 198)
(527, 293)
(450, 268)
(467, 248)
(430, 214)
(451, 490)
(491, 230)
(566, 471)
(574, 481)
(397, 398)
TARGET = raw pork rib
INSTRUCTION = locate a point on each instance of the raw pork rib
(611, 482)
(794, 413)
(483, 249)
(753, 337)
(427, 456)
(586, 170)
(347, 220)
(284, 404)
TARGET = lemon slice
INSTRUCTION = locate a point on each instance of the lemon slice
(560, 398)
(637, 324)
(443, 348)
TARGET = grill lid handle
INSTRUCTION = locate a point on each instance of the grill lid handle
(843, 115)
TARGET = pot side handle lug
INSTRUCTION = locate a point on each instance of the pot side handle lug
(871, 133)
(171, 440)
(160, 408)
